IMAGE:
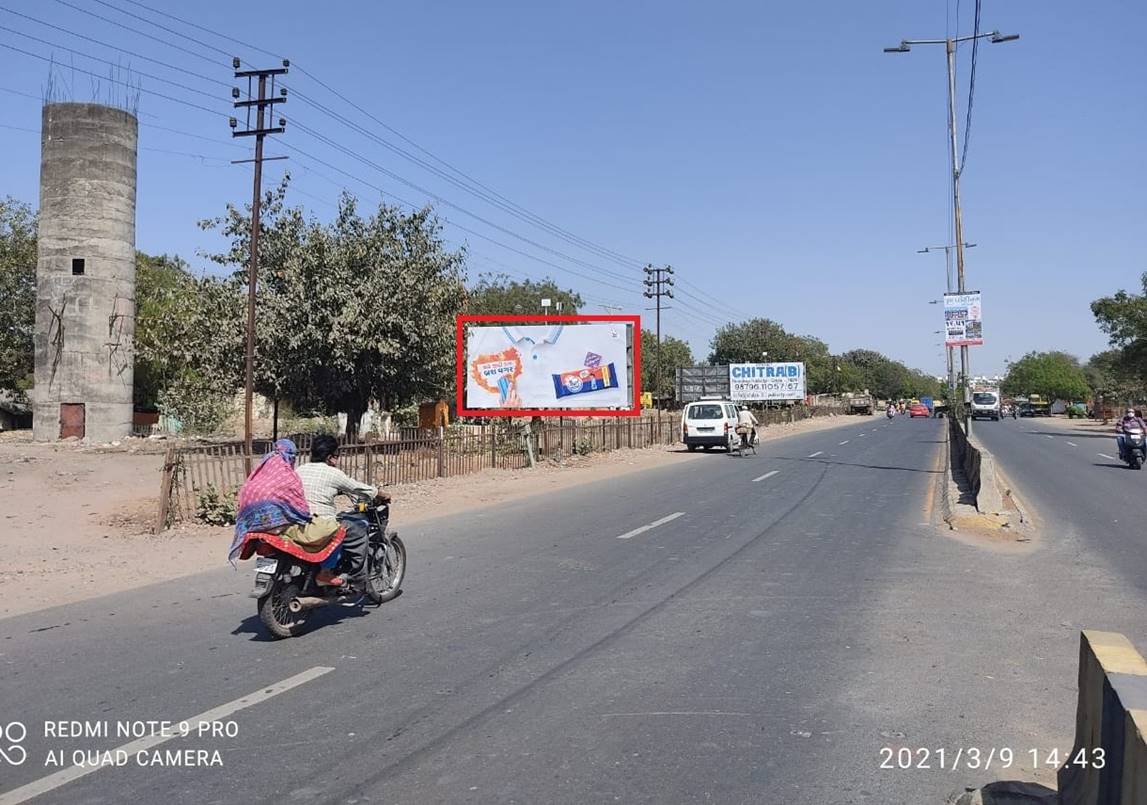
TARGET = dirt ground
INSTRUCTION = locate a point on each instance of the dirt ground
(79, 519)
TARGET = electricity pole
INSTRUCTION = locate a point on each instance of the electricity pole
(950, 44)
(262, 104)
(658, 283)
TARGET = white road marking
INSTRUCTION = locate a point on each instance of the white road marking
(54, 781)
(768, 474)
(678, 713)
(1104, 455)
(845, 441)
(1073, 444)
(861, 434)
(1048, 435)
(817, 453)
(642, 529)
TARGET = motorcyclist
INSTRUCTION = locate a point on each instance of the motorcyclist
(745, 419)
(891, 410)
(323, 481)
(1131, 421)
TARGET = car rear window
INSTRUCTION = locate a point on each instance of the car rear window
(704, 412)
(984, 398)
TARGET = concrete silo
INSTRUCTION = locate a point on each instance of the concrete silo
(85, 274)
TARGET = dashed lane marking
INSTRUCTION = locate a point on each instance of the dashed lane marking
(654, 524)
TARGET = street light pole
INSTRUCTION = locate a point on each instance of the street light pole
(950, 44)
(948, 287)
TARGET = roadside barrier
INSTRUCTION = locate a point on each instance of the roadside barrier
(1108, 764)
(978, 466)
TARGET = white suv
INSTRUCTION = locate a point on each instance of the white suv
(709, 423)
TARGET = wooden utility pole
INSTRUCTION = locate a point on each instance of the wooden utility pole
(658, 283)
(263, 103)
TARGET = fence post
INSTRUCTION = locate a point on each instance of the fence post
(494, 446)
(441, 453)
(168, 475)
(369, 470)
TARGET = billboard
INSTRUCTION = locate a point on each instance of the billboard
(963, 320)
(767, 381)
(695, 382)
(551, 366)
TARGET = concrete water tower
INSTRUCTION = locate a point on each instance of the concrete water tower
(85, 274)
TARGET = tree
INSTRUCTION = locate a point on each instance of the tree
(675, 354)
(17, 295)
(1108, 375)
(497, 294)
(748, 341)
(1055, 375)
(1124, 318)
(163, 291)
(359, 309)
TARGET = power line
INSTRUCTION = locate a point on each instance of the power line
(137, 31)
(107, 61)
(113, 80)
(102, 43)
(470, 184)
(971, 89)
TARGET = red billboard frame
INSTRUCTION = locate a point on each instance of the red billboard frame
(460, 365)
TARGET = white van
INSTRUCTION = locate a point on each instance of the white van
(986, 404)
(709, 423)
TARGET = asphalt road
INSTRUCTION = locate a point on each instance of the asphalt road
(794, 623)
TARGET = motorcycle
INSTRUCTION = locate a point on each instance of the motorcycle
(1134, 448)
(891, 412)
(286, 584)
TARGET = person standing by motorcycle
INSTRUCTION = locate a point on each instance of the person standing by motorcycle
(1131, 421)
(323, 481)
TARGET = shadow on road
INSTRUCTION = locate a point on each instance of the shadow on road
(1110, 466)
(320, 617)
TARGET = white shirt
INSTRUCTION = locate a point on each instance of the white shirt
(322, 483)
(746, 418)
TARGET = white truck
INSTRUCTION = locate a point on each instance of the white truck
(986, 404)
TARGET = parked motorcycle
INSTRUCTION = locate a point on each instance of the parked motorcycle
(286, 586)
(1134, 448)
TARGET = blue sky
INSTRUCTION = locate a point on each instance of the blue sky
(772, 153)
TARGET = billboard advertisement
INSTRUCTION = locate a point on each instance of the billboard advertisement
(963, 320)
(558, 365)
(695, 382)
(766, 381)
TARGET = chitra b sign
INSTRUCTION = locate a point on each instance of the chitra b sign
(963, 320)
(766, 381)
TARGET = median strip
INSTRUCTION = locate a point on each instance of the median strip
(654, 524)
(768, 474)
(209, 717)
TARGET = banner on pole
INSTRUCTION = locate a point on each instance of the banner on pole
(963, 320)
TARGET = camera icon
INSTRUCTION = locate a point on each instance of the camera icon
(12, 735)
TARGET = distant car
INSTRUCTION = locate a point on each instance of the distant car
(919, 409)
(1025, 409)
(709, 423)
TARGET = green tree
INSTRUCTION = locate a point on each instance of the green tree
(1109, 376)
(1123, 317)
(496, 294)
(1055, 375)
(747, 342)
(675, 354)
(17, 294)
(356, 310)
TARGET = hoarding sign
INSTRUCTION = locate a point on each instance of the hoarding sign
(566, 365)
(963, 320)
(766, 381)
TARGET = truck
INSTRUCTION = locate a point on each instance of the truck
(860, 404)
(1040, 406)
(985, 404)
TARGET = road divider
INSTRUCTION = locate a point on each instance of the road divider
(649, 526)
(767, 475)
(977, 467)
